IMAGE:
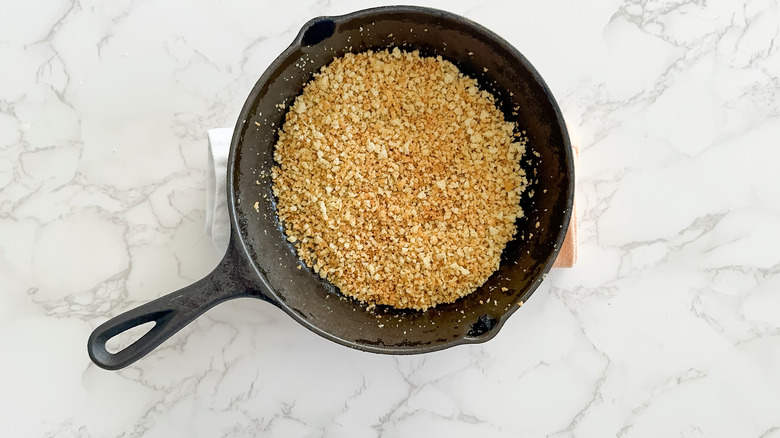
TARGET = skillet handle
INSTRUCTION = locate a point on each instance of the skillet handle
(170, 313)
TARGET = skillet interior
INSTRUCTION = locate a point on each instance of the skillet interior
(523, 98)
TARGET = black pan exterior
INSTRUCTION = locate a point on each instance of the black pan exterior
(523, 97)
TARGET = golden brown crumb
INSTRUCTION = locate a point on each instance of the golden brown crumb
(398, 179)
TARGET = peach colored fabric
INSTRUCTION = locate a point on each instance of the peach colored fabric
(567, 257)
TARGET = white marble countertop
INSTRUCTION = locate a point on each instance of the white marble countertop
(669, 325)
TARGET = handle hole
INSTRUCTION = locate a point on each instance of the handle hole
(318, 32)
(120, 341)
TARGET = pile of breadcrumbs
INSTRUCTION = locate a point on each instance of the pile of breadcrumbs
(398, 179)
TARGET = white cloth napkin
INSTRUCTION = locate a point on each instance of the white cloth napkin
(217, 217)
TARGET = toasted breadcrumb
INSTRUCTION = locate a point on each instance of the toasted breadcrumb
(398, 179)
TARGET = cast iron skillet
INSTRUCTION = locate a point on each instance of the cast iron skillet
(260, 263)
